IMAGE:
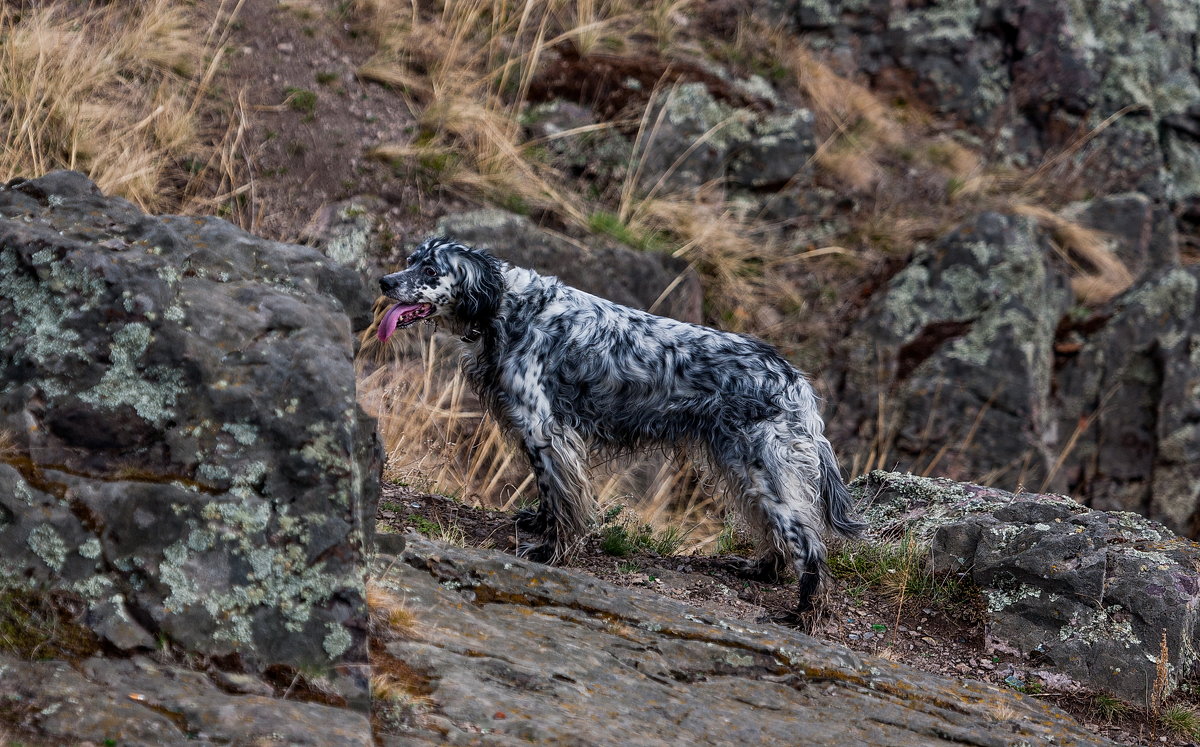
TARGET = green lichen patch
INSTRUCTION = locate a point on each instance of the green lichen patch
(151, 391)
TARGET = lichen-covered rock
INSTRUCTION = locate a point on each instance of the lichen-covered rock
(642, 280)
(522, 651)
(141, 702)
(962, 340)
(355, 234)
(692, 138)
(182, 446)
(1032, 77)
(1128, 403)
(577, 144)
(1089, 593)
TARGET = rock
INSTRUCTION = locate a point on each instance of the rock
(522, 651)
(1143, 232)
(642, 280)
(1128, 403)
(354, 234)
(1035, 77)
(599, 155)
(692, 138)
(139, 702)
(1089, 593)
(961, 339)
(183, 448)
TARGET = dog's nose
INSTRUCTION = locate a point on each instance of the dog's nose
(389, 282)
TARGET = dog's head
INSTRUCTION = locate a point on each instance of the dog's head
(443, 279)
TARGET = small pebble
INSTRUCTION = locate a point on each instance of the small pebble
(285, 47)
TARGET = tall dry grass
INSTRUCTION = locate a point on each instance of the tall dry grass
(118, 91)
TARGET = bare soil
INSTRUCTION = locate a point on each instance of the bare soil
(945, 639)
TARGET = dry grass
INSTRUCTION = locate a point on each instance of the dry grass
(115, 90)
(1099, 275)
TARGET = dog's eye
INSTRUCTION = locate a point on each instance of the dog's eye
(430, 272)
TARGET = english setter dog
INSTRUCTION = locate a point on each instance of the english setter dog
(564, 372)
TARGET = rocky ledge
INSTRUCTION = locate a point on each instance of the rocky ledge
(497, 650)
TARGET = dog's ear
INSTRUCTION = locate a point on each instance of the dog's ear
(482, 286)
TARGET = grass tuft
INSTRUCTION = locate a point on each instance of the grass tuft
(901, 570)
(44, 625)
(112, 90)
(1181, 720)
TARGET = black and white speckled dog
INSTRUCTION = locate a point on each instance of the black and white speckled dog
(566, 372)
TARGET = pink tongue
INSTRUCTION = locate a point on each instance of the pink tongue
(391, 317)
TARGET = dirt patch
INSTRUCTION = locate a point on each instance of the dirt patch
(948, 639)
(312, 122)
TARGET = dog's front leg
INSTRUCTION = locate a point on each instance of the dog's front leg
(565, 512)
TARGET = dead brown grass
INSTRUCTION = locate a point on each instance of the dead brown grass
(115, 90)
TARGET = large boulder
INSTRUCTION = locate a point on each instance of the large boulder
(1096, 595)
(961, 342)
(182, 446)
(524, 652)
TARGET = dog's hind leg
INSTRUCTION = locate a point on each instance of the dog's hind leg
(777, 479)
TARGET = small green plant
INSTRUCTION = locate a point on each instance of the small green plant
(611, 225)
(615, 541)
(301, 99)
(1181, 720)
(626, 566)
(325, 77)
(899, 569)
(625, 538)
(423, 525)
(1108, 707)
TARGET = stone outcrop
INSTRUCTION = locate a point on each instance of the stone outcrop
(182, 446)
(1095, 595)
(525, 652)
(993, 371)
(142, 702)
(962, 342)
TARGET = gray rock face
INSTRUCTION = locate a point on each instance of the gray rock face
(693, 138)
(183, 448)
(962, 340)
(140, 702)
(994, 373)
(642, 280)
(1034, 76)
(1129, 400)
(1088, 593)
(522, 651)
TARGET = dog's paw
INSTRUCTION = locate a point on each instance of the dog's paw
(538, 553)
(531, 520)
(768, 569)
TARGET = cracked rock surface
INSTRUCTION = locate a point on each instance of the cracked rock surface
(509, 651)
(140, 702)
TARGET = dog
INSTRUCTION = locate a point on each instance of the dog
(566, 373)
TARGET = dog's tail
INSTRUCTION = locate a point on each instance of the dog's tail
(839, 507)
